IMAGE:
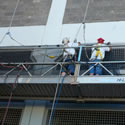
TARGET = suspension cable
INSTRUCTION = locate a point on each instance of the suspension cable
(14, 12)
(10, 25)
(3, 38)
(84, 28)
(56, 102)
(6, 111)
(55, 96)
(83, 21)
(10, 97)
(14, 39)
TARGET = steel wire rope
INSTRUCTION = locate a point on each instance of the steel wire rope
(8, 33)
(10, 97)
(55, 101)
(10, 25)
(84, 20)
(6, 75)
(55, 96)
(84, 27)
(58, 92)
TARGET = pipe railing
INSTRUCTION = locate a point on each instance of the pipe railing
(8, 48)
(61, 63)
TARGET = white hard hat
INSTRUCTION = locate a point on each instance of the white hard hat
(65, 40)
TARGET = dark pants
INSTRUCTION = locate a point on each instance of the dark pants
(69, 68)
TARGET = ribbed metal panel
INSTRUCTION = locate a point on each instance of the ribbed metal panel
(15, 56)
(47, 91)
(87, 117)
(13, 116)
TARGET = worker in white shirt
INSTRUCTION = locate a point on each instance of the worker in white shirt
(69, 56)
(98, 54)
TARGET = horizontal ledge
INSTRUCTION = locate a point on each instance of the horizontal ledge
(67, 99)
(54, 79)
(60, 63)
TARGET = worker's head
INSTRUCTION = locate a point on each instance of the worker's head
(79, 43)
(65, 41)
(100, 40)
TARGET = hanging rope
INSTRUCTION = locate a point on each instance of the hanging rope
(57, 94)
(83, 21)
(14, 39)
(10, 25)
(3, 38)
(84, 27)
(55, 100)
(10, 97)
(14, 12)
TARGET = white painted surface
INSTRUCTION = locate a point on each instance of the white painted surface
(110, 31)
(54, 24)
(26, 116)
(30, 35)
(37, 115)
(101, 79)
(34, 114)
(33, 35)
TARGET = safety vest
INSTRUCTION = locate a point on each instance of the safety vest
(98, 52)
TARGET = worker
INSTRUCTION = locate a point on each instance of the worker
(98, 54)
(69, 56)
(76, 45)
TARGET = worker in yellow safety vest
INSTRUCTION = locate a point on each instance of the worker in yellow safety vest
(98, 54)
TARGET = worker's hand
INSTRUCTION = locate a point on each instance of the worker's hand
(109, 43)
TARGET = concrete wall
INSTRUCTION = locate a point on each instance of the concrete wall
(98, 11)
(54, 30)
(28, 12)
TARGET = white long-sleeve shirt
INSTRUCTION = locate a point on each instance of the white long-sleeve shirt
(102, 50)
(69, 51)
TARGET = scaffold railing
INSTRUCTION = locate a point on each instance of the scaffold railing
(81, 64)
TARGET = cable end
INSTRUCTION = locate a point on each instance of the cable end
(8, 33)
